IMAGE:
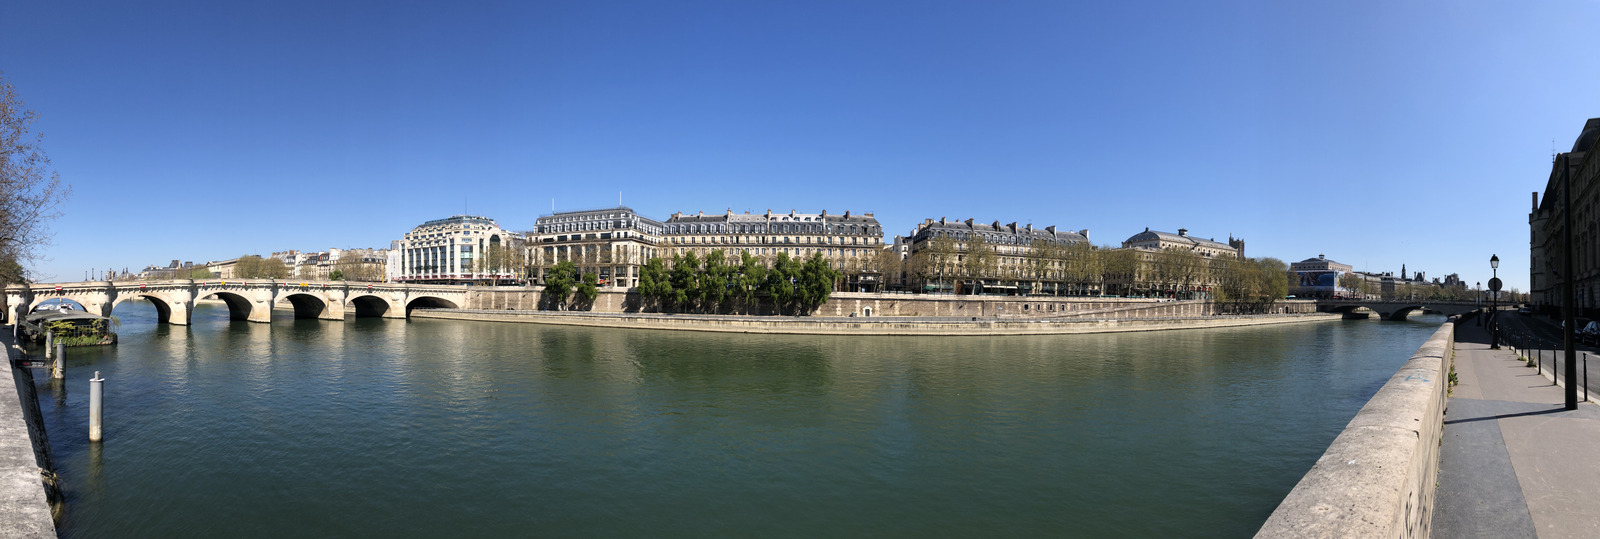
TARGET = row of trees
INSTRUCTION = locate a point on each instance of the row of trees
(1248, 285)
(718, 284)
(564, 280)
(1081, 267)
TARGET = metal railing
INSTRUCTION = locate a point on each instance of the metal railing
(1532, 349)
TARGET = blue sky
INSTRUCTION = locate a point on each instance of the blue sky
(1378, 133)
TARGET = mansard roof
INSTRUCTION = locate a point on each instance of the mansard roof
(1156, 235)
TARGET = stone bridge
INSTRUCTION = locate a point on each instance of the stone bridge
(247, 299)
(1394, 309)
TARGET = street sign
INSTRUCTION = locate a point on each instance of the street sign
(1494, 284)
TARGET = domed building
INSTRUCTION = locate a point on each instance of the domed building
(450, 251)
(1168, 265)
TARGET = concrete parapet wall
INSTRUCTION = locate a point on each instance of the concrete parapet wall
(861, 326)
(24, 506)
(1377, 478)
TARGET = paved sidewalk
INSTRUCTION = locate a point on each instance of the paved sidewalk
(1514, 462)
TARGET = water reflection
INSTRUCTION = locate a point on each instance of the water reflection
(430, 428)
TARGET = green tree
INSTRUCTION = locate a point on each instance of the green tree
(559, 285)
(336, 275)
(941, 259)
(31, 193)
(1084, 266)
(11, 272)
(980, 261)
(496, 260)
(1120, 266)
(780, 283)
(1350, 282)
(351, 267)
(714, 280)
(685, 285)
(752, 275)
(655, 285)
(815, 284)
(589, 289)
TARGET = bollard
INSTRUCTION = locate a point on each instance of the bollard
(49, 344)
(96, 405)
(60, 370)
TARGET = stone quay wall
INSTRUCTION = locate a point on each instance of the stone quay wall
(887, 325)
(24, 502)
(1377, 479)
(915, 305)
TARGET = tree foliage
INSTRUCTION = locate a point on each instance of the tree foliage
(351, 267)
(1249, 285)
(558, 286)
(498, 259)
(31, 193)
(255, 267)
(717, 284)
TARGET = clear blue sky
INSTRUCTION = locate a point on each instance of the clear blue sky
(1378, 133)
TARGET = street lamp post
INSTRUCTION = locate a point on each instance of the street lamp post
(1568, 302)
(1494, 303)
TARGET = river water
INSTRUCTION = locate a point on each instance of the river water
(430, 428)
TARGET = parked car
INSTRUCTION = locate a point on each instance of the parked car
(1589, 333)
(1525, 310)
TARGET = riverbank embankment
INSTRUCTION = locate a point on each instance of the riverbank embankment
(24, 505)
(1377, 478)
(877, 325)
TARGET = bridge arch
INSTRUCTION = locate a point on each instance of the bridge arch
(429, 302)
(164, 310)
(369, 305)
(306, 305)
(1401, 313)
(239, 307)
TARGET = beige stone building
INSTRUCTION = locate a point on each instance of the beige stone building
(1580, 168)
(612, 243)
(1012, 260)
(1164, 264)
(850, 242)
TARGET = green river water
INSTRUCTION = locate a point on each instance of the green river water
(434, 428)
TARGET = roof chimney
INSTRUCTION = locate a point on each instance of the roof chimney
(1183, 232)
(847, 214)
(1084, 233)
(1051, 229)
(969, 222)
(1013, 227)
(941, 220)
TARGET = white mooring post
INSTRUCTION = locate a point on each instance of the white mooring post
(96, 406)
(59, 371)
(49, 344)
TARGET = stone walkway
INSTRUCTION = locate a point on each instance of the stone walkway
(1514, 462)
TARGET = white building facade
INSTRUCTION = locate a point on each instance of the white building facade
(448, 251)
